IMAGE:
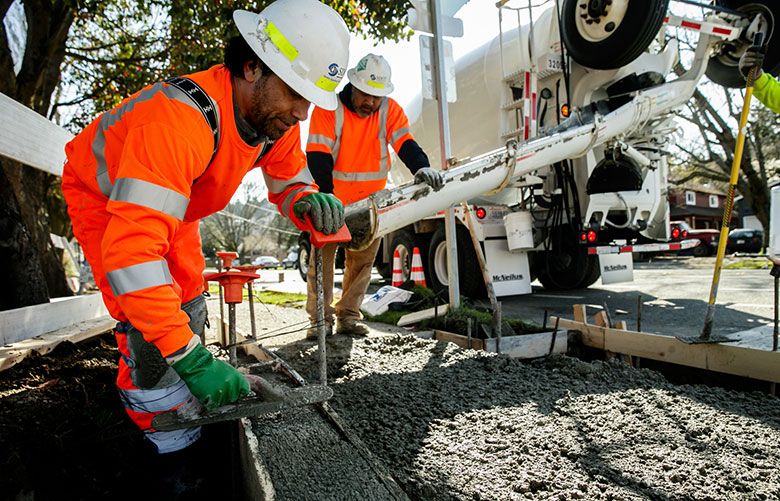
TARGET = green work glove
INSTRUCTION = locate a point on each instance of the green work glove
(325, 210)
(213, 382)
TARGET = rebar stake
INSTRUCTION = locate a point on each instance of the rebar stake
(321, 348)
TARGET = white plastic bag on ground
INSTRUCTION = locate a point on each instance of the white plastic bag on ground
(379, 302)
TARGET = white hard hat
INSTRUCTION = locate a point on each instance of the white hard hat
(372, 76)
(304, 42)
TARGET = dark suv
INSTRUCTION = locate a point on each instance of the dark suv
(745, 240)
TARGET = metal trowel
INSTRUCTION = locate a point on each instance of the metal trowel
(248, 407)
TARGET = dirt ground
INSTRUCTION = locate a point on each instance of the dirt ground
(449, 424)
(63, 432)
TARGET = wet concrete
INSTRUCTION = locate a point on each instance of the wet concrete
(460, 424)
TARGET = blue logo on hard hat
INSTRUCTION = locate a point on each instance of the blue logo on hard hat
(333, 69)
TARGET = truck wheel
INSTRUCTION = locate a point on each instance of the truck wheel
(608, 34)
(701, 250)
(567, 265)
(471, 283)
(303, 255)
(723, 67)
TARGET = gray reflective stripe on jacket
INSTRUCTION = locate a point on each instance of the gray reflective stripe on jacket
(381, 137)
(160, 400)
(139, 276)
(150, 195)
(111, 117)
(321, 139)
(395, 136)
(288, 200)
(279, 185)
(156, 400)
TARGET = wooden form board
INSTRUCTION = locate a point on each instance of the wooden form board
(25, 323)
(32, 139)
(739, 361)
(419, 316)
(12, 354)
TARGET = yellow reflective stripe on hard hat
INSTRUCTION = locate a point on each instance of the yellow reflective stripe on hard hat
(326, 84)
(280, 41)
(374, 83)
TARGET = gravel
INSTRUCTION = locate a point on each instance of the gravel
(461, 424)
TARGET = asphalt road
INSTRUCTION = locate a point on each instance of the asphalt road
(674, 295)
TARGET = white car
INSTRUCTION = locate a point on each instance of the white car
(266, 262)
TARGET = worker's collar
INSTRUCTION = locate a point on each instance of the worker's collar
(346, 97)
(247, 133)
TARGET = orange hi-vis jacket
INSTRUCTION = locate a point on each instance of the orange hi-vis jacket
(359, 146)
(138, 179)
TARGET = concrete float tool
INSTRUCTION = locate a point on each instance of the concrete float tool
(268, 399)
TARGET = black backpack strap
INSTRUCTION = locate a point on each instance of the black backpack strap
(202, 101)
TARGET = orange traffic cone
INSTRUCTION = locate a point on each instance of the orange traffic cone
(398, 274)
(418, 274)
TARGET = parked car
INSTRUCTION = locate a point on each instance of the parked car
(745, 240)
(266, 262)
(708, 239)
(291, 261)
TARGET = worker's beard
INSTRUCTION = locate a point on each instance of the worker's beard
(264, 118)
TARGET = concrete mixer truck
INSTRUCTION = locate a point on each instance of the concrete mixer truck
(560, 138)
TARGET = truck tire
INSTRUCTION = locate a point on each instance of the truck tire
(402, 241)
(303, 255)
(566, 265)
(471, 283)
(618, 32)
(723, 67)
(701, 250)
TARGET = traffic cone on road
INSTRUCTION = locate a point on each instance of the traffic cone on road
(398, 274)
(418, 274)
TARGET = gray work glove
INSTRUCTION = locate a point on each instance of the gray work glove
(429, 176)
(325, 210)
(752, 58)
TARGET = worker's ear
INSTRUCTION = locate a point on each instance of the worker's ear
(252, 70)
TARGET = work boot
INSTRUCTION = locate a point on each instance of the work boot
(311, 332)
(351, 328)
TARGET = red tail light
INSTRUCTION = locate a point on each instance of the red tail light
(685, 233)
(675, 233)
(481, 213)
(588, 237)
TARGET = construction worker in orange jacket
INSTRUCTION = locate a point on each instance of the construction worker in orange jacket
(140, 177)
(347, 153)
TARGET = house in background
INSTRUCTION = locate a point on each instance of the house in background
(701, 206)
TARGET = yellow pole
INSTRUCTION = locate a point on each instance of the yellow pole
(724, 229)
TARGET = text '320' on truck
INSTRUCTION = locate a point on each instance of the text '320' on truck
(560, 138)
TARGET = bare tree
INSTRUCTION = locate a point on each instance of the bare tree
(714, 113)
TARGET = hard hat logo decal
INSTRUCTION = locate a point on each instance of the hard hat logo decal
(333, 69)
(362, 64)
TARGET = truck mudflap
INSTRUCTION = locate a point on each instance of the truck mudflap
(657, 247)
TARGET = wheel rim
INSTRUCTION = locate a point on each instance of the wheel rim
(303, 262)
(731, 52)
(597, 20)
(440, 263)
(406, 262)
